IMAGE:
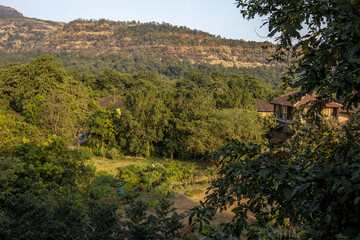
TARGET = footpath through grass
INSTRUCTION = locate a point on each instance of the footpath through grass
(185, 181)
(157, 177)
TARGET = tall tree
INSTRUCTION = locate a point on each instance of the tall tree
(318, 39)
(46, 95)
(103, 126)
(145, 116)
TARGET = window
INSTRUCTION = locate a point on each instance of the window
(285, 112)
(290, 113)
(334, 113)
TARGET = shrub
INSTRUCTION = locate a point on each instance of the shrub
(164, 188)
(112, 153)
(203, 182)
(97, 152)
(101, 186)
(132, 171)
(84, 153)
(164, 224)
(211, 171)
(152, 179)
(100, 152)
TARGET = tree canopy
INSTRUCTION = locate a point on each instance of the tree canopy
(320, 42)
(45, 95)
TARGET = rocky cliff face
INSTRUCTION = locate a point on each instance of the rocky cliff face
(128, 39)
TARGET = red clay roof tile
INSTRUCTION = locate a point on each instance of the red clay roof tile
(263, 106)
(307, 99)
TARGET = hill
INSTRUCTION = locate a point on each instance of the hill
(19, 35)
(9, 12)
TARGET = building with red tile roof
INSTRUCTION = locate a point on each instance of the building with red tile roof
(285, 108)
(264, 108)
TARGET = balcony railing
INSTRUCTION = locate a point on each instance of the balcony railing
(282, 119)
(285, 120)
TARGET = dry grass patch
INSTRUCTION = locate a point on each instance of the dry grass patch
(111, 165)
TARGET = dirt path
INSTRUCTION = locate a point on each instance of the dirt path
(184, 203)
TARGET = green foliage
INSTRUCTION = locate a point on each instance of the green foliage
(10, 167)
(193, 192)
(319, 40)
(174, 120)
(165, 187)
(165, 224)
(104, 125)
(146, 115)
(308, 186)
(104, 222)
(44, 93)
(159, 181)
(204, 115)
(31, 217)
(84, 153)
(52, 167)
(167, 220)
(113, 153)
(102, 186)
(156, 118)
(137, 226)
(14, 131)
(87, 68)
(211, 171)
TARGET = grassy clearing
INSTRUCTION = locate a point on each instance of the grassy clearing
(136, 175)
(188, 181)
(111, 165)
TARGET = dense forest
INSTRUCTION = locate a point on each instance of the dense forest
(171, 69)
(153, 115)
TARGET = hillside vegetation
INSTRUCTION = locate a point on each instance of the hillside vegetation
(44, 109)
(19, 34)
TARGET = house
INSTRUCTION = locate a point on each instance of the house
(264, 108)
(285, 111)
(345, 115)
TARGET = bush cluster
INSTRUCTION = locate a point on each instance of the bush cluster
(159, 181)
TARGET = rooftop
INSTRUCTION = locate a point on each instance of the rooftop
(263, 106)
(307, 99)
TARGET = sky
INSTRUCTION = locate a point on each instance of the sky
(218, 17)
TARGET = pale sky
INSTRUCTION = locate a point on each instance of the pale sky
(218, 17)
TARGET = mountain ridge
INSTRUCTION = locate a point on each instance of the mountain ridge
(20, 34)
